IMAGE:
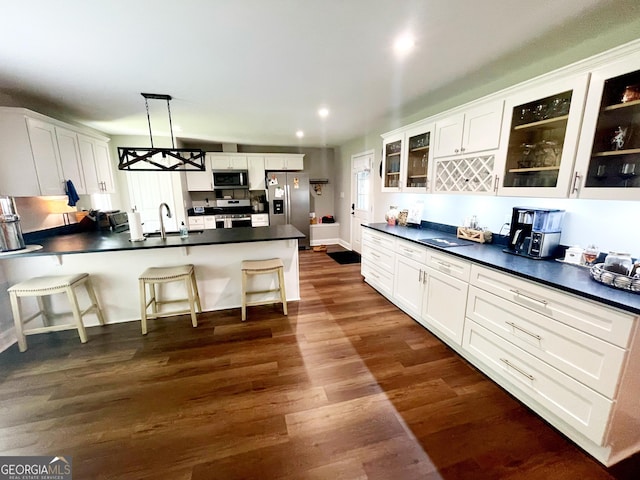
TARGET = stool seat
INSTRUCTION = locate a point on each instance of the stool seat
(166, 273)
(260, 267)
(159, 275)
(46, 283)
(50, 285)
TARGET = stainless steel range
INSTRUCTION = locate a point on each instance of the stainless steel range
(228, 213)
(233, 213)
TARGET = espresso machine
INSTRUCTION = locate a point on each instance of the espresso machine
(535, 232)
(10, 231)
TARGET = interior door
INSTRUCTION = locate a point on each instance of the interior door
(361, 198)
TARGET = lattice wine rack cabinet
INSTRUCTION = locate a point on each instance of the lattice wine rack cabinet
(472, 174)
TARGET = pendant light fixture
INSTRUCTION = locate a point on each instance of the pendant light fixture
(160, 159)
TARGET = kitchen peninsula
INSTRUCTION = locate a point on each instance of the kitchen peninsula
(114, 262)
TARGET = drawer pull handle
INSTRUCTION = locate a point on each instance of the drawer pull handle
(420, 276)
(374, 254)
(517, 327)
(374, 275)
(444, 264)
(519, 370)
(520, 294)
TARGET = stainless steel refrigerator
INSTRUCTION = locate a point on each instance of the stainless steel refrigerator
(289, 201)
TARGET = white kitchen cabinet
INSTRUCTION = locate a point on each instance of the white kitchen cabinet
(195, 223)
(69, 150)
(278, 162)
(475, 130)
(209, 222)
(201, 181)
(407, 160)
(409, 271)
(540, 386)
(96, 164)
(542, 125)
(393, 153)
(586, 358)
(46, 157)
(257, 173)
(608, 159)
(228, 161)
(378, 261)
(259, 219)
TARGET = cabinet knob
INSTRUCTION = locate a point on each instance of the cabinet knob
(456, 150)
(462, 149)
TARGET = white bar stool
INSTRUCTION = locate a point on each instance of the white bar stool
(157, 275)
(50, 285)
(260, 267)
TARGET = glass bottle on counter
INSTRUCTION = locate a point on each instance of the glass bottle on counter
(617, 262)
(184, 233)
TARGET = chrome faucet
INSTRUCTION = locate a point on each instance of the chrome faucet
(163, 234)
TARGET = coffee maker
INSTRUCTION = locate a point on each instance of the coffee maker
(535, 232)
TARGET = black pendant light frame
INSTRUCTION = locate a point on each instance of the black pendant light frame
(160, 159)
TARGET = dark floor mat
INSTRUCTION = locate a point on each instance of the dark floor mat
(345, 257)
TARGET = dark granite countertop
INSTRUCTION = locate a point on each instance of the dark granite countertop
(106, 241)
(570, 278)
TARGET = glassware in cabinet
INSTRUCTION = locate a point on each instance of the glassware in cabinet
(392, 162)
(536, 141)
(615, 153)
(542, 125)
(417, 160)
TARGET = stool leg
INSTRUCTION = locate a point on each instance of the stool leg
(194, 284)
(190, 295)
(143, 307)
(244, 295)
(73, 300)
(43, 311)
(153, 297)
(283, 294)
(17, 319)
(94, 300)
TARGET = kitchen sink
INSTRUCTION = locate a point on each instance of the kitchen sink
(172, 234)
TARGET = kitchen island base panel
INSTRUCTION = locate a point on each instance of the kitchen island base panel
(115, 274)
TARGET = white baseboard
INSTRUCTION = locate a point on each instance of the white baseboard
(325, 241)
(344, 244)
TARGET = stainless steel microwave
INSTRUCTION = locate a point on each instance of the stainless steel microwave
(227, 179)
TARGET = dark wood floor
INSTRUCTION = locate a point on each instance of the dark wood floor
(345, 387)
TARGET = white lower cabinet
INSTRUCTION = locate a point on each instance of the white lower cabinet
(443, 304)
(378, 261)
(580, 407)
(574, 361)
(408, 286)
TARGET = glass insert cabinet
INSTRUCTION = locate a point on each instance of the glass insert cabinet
(406, 160)
(609, 159)
(543, 131)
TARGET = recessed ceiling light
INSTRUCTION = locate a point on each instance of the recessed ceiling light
(404, 44)
(323, 112)
(299, 134)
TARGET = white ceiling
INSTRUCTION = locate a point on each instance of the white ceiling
(255, 71)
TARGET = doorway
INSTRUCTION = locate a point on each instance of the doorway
(361, 195)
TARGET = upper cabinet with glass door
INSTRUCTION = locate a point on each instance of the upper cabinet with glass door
(416, 169)
(608, 164)
(392, 154)
(542, 125)
(405, 163)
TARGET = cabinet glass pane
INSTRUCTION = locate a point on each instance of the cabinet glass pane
(418, 160)
(392, 164)
(535, 142)
(615, 156)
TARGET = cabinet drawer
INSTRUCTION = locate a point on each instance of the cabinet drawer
(196, 222)
(378, 240)
(577, 405)
(411, 250)
(603, 322)
(384, 260)
(449, 264)
(210, 222)
(586, 358)
(379, 279)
